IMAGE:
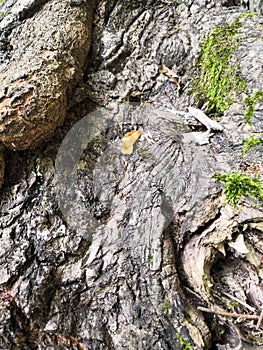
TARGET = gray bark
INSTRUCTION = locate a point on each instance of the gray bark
(101, 250)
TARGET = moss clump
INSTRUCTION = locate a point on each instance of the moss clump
(217, 80)
(251, 102)
(165, 305)
(250, 143)
(185, 345)
(238, 185)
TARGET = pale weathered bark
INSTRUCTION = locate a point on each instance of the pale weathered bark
(101, 250)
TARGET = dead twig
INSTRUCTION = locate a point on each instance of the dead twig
(260, 319)
(229, 314)
(192, 292)
(239, 301)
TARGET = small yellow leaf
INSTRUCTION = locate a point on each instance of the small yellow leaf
(129, 140)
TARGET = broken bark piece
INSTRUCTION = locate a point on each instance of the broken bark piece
(200, 138)
(203, 118)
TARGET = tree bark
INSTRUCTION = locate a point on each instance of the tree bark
(105, 250)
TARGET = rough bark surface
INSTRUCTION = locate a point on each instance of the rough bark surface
(44, 45)
(100, 250)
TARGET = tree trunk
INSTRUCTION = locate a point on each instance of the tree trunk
(113, 231)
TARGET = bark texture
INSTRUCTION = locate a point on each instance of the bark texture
(44, 45)
(100, 250)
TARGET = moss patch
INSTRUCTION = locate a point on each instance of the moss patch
(217, 82)
(185, 345)
(251, 102)
(237, 185)
(250, 143)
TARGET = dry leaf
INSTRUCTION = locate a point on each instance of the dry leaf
(173, 77)
(129, 140)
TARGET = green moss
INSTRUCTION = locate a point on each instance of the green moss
(248, 14)
(238, 185)
(232, 305)
(251, 102)
(165, 305)
(217, 82)
(250, 143)
(185, 345)
(1, 13)
(150, 260)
